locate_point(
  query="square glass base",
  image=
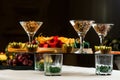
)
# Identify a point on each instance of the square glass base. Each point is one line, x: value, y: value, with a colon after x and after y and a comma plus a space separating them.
x: 103, y: 70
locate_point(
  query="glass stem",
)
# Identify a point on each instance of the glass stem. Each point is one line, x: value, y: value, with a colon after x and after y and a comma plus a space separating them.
x: 81, y: 44
x: 101, y: 39
x: 30, y: 37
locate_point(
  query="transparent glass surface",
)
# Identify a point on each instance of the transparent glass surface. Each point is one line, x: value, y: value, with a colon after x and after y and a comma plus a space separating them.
x: 53, y: 64
x: 104, y: 64
x: 31, y: 27
x: 38, y: 62
x: 102, y: 30
x: 81, y: 27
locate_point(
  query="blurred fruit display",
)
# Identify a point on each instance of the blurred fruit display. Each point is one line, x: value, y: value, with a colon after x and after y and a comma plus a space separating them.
x: 54, y: 41
x: 57, y: 42
x: 20, y: 60
x: 19, y: 55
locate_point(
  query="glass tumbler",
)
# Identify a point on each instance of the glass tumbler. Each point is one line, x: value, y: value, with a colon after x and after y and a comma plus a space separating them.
x: 104, y: 64
x: 38, y: 62
x: 53, y: 64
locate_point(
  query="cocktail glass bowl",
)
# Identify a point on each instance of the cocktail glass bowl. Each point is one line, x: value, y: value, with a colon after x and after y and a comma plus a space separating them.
x: 81, y: 27
x: 31, y: 27
x: 102, y: 30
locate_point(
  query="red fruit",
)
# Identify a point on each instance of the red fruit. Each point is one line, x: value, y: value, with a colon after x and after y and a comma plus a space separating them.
x: 55, y: 38
x: 25, y: 62
x: 21, y: 58
x: 45, y: 45
x: 14, y: 61
x: 51, y: 41
x: 52, y: 45
x: 34, y: 42
x: 30, y: 62
x: 10, y: 62
x: 40, y: 45
x: 59, y: 44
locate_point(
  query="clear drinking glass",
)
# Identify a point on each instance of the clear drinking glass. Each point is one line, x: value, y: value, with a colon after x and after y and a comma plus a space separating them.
x: 53, y: 64
x: 31, y: 27
x: 102, y: 29
x: 38, y: 62
x: 81, y: 27
x: 104, y: 64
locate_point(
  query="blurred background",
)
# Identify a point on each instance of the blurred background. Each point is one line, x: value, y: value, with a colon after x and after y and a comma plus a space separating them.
x: 55, y: 14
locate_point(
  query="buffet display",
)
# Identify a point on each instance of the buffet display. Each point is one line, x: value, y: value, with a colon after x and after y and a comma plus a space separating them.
x: 19, y: 55
x: 29, y: 55
x: 53, y: 44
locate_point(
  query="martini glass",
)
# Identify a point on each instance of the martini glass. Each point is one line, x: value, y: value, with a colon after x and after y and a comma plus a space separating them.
x: 81, y: 27
x: 102, y: 30
x: 31, y: 27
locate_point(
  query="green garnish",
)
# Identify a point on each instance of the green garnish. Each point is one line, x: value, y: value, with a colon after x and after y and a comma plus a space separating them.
x: 32, y: 47
x: 54, y: 69
x: 103, y: 68
x: 15, y: 44
x: 41, y: 66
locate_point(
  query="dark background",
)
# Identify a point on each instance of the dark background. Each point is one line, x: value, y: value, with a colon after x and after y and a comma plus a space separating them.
x: 56, y: 15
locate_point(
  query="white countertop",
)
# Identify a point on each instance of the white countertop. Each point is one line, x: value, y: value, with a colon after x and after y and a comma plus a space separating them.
x: 68, y: 73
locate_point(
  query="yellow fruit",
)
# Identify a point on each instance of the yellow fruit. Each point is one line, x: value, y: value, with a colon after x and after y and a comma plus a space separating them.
x: 48, y: 59
x: 42, y: 61
x: 11, y: 57
x: 3, y: 57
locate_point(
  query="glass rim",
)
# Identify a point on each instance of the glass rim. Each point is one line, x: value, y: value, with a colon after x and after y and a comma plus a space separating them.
x: 97, y: 54
x: 103, y: 24
x: 39, y: 22
x: 28, y: 21
x: 81, y: 20
x: 52, y: 54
